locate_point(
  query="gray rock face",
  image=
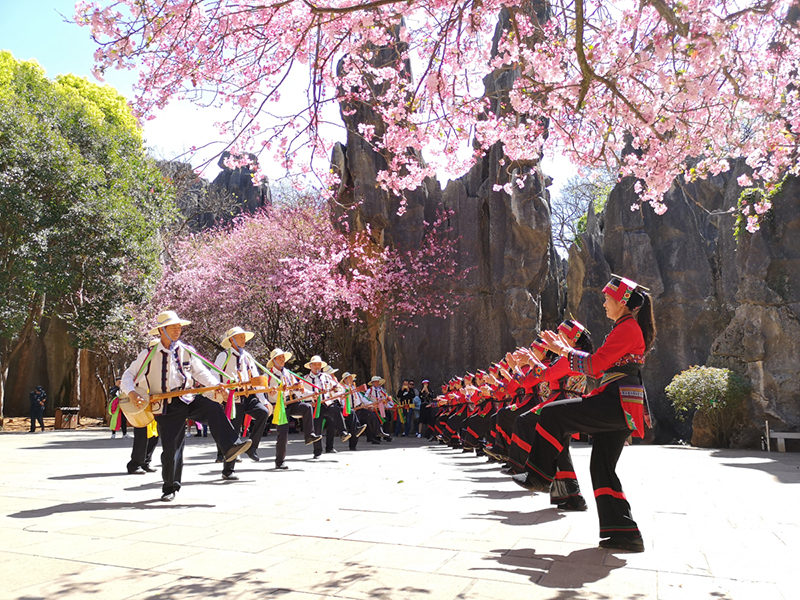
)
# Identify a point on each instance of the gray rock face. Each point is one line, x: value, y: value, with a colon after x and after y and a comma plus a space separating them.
x: 717, y: 302
x: 514, y: 276
x: 205, y: 204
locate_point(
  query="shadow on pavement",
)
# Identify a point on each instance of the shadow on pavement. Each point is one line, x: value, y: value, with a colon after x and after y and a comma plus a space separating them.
x: 88, y: 476
x: 71, y: 507
x: 500, y: 494
x: 516, y: 518
x: 585, y: 562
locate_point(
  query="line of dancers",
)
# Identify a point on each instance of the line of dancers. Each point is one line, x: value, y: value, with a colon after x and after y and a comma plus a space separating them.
x: 523, y: 410
x: 318, y: 399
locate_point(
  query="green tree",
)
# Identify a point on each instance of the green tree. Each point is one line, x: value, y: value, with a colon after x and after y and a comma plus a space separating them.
x: 570, y: 206
x: 81, y: 205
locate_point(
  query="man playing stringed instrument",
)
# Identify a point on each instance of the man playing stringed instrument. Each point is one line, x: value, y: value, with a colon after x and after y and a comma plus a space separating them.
x: 172, y: 365
x: 326, y: 409
x: 286, y: 381
x: 240, y: 366
x: 362, y: 412
x: 345, y: 405
x: 378, y: 399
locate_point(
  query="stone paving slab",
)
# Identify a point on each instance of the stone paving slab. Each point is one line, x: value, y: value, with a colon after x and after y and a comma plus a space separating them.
x: 410, y: 519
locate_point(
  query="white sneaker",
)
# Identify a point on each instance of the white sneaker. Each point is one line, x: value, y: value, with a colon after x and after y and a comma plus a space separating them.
x: 127, y: 435
x: 113, y: 434
x: 419, y: 435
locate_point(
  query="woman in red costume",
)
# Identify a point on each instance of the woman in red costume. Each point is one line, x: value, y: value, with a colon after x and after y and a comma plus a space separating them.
x: 610, y: 413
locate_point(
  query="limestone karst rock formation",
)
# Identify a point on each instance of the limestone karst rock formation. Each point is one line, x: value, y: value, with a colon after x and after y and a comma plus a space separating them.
x: 513, y: 283
x: 718, y: 302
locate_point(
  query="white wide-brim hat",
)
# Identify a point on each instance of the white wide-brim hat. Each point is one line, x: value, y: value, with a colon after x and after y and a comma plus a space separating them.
x: 347, y: 374
x: 275, y: 354
x: 330, y: 371
x: 316, y: 359
x: 226, y: 341
x: 166, y: 318
x: 378, y: 380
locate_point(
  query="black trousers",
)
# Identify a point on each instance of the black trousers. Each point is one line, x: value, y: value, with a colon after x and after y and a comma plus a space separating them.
x: 477, y: 427
x: 37, y: 414
x: 172, y: 431
x: 451, y: 432
x: 333, y: 422
x: 353, y: 424
x: 600, y: 415
x: 505, y: 422
x: 299, y: 410
x: 143, y: 448
x: 370, y: 417
x: 250, y: 405
x: 565, y: 481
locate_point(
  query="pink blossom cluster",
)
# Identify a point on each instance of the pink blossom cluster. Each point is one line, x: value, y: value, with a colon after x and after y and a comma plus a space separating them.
x: 638, y: 86
x: 291, y: 262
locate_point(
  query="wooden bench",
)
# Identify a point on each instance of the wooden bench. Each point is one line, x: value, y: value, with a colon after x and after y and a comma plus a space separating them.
x: 782, y: 436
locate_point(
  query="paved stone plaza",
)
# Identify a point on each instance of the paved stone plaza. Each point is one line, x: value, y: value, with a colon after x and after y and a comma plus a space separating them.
x: 408, y: 519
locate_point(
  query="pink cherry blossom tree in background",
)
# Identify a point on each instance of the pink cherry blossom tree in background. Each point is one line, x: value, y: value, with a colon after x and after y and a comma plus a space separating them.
x: 710, y: 79
x: 290, y: 275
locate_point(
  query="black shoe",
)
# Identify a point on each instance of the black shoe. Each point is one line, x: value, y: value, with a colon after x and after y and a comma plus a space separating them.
x: 198, y: 435
x: 316, y: 455
x: 361, y: 430
x: 220, y: 458
x: 531, y: 482
x: 230, y: 477
x: 253, y: 456
x: 376, y: 442
x: 243, y: 445
x: 281, y: 466
x: 331, y: 451
x: 137, y: 471
x: 205, y: 435
x: 168, y: 497
x: 313, y: 439
x: 629, y: 544
x: 149, y: 469
x: 576, y: 503
x: 388, y: 438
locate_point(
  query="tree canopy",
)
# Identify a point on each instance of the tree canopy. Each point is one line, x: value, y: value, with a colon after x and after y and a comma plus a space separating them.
x: 636, y: 87
x: 82, y: 206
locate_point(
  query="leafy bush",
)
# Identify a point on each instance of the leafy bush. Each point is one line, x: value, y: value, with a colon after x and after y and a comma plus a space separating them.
x: 716, y: 394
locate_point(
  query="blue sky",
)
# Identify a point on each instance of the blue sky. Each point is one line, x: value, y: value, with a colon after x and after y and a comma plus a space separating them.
x: 36, y: 30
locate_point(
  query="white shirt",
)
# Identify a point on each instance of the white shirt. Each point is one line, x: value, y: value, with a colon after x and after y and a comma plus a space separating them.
x: 359, y: 399
x: 376, y: 393
x: 167, y: 371
x: 276, y: 376
x: 239, y: 365
x: 320, y: 380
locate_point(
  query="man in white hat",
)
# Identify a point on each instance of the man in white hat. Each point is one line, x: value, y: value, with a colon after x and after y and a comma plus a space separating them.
x: 326, y: 410
x: 354, y: 424
x: 379, y: 400
x: 172, y: 365
x: 279, y: 374
x: 240, y: 366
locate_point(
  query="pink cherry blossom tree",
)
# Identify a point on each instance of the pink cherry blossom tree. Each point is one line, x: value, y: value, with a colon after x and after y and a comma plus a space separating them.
x: 710, y: 79
x: 296, y: 279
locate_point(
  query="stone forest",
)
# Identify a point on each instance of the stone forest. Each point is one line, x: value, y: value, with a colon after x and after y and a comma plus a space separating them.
x: 721, y: 300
